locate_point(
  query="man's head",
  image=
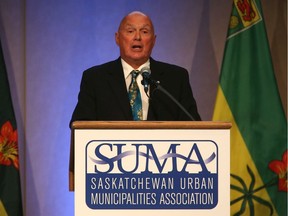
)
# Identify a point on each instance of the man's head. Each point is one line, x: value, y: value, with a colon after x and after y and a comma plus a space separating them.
x: 135, y: 38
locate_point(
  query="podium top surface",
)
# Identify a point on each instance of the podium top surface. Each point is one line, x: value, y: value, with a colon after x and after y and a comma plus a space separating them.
x: 150, y: 125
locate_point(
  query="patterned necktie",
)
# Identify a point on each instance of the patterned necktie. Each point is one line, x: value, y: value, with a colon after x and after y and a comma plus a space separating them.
x: 135, y: 97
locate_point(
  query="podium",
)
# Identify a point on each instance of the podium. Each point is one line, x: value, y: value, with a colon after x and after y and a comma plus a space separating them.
x: 145, y: 167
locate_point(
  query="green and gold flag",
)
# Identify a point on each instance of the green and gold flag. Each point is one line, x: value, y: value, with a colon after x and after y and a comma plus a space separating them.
x: 248, y: 97
x: 10, y: 190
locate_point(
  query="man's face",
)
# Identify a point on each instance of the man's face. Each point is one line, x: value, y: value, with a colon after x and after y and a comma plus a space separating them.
x: 135, y: 39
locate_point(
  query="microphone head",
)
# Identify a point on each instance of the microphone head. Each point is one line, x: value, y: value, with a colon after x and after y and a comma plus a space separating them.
x: 145, y: 71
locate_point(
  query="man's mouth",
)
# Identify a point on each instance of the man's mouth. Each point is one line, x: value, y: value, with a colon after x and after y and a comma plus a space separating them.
x: 136, y: 47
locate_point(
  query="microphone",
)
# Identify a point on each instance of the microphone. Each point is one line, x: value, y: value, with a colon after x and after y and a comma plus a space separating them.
x: 146, y: 72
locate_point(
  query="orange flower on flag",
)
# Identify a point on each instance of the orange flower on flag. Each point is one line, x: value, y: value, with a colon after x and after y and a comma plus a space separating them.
x: 280, y: 167
x: 8, y: 146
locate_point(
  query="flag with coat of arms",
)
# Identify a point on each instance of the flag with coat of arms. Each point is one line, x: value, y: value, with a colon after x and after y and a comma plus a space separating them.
x: 248, y: 97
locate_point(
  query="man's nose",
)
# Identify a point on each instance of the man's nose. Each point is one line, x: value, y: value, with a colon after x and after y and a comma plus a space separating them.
x: 137, y: 35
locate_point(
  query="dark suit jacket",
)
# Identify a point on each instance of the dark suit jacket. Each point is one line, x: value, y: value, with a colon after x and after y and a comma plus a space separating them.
x: 103, y: 95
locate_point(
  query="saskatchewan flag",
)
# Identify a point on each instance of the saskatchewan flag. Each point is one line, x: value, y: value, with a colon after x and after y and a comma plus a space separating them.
x: 248, y: 97
x: 10, y: 190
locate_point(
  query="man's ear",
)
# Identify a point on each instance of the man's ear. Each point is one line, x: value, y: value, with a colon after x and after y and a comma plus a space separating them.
x: 117, y: 38
x: 155, y: 36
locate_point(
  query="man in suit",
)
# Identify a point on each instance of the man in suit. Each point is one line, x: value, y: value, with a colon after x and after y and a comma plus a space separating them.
x: 104, y: 88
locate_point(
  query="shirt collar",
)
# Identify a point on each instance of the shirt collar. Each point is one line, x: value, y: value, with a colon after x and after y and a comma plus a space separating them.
x: 127, y: 68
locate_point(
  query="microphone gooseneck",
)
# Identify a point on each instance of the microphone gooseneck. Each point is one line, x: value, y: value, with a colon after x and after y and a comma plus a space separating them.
x: 160, y: 88
x: 146, y: 81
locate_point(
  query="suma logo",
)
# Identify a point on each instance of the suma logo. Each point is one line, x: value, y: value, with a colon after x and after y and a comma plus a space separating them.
x: 128, y: 157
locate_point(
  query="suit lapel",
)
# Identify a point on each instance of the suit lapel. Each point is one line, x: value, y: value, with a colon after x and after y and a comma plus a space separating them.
x: 118, y: 86
x: 156, y: 74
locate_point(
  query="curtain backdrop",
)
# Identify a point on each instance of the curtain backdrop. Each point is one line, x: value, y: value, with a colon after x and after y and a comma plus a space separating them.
x: 48, y: 44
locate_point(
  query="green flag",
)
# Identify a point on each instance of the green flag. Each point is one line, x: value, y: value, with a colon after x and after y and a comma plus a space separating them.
x: 248, y: 97
x: 10, y: 190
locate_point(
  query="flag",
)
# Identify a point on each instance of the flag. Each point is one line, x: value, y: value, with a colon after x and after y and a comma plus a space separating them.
x: 10, y: 189
x: 248, y: 97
